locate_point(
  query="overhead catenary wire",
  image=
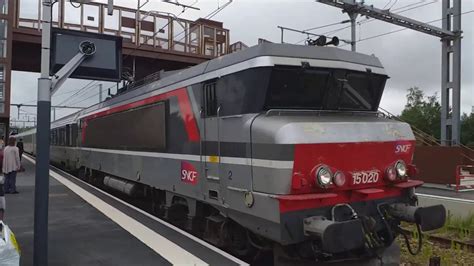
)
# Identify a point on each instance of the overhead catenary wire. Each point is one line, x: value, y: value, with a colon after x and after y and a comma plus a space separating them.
x: 325, y: 26
x: 394, y: 3
x: 388, y: 3
x: 85, y: 99
x: 55, y: 95
x: 158, y: 31
x: 402, y: 29
x: 75, y: 91
x: 78, y: 92
x: 208, y: 16
x: 66, y: 92
x: 91, y: 96
x: 87, y: 86
x: 80, y: 95
x: 399, y: 10
x: 367, y: 20
x: 218, y: 10
x: 320, y: 27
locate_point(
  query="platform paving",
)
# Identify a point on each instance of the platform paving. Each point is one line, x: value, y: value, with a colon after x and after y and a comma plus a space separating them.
x: 458, y: 204
x: 80, y: 234
x: 442, y: 190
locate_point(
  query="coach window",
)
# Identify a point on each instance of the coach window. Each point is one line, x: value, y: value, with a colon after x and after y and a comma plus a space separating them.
x: 210, y: 99
x: 74, y: 133
x: 61, y: 136
x: 68, y: 135
x: 58, y: 136
x: 53, y: 136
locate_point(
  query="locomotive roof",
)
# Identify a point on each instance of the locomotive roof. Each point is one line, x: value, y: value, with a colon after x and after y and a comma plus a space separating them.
x: 294, y: 51
x: 276, y: 50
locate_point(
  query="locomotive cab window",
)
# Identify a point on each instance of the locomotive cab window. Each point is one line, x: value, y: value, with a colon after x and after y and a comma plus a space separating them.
x: 210, y: 99
x: 324, y: 89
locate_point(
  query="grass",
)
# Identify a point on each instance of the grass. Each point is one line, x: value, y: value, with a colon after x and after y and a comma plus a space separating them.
x: 454, y: 255
x: 455, y: 228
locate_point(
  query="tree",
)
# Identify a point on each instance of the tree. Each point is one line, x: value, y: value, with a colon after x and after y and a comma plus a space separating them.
x: 467, y: 129
x: 414, y: 97
x: 423, y: 112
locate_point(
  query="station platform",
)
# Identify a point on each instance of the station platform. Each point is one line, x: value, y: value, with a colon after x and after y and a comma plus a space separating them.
x: 444, y: 191
x: 458, y: 204
x: 90, y: 227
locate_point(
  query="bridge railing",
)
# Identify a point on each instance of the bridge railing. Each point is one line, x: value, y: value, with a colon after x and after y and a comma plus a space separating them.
x: 145, y: 29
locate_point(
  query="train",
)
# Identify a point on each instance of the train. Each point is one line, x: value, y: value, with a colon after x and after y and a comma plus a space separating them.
x: 274, y: 148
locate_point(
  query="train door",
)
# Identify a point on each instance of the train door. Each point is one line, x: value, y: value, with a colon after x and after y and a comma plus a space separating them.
x: 210, y: 152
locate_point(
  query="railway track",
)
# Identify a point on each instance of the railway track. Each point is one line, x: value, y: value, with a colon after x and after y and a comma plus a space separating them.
x: 458, y: 207
x: 444, y: 241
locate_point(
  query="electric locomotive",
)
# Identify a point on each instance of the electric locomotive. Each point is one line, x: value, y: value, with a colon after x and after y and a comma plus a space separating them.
x: 274, y: 147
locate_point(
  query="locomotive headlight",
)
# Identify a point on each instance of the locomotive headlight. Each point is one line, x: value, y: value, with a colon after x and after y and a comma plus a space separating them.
x: 339, y: 179
x: 401, y: 168
x: 391, y: 174
x: 323, y: 176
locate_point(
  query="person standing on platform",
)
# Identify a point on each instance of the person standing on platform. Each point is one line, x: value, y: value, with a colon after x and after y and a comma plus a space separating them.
x: 11, y: 164
x: 2, y: 191
x: 2, y: 198
x: 20, y: 148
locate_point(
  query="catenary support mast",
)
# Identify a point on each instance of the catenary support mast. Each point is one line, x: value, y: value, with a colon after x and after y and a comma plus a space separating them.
x: 451, y: 75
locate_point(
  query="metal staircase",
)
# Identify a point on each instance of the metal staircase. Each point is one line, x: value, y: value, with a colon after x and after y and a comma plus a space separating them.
x: 463, y: 170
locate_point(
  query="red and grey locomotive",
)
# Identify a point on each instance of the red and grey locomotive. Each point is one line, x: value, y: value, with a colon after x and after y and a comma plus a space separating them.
x: 274, y: 147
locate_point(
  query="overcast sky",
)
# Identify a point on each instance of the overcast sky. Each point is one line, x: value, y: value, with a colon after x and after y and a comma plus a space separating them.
x: 410, y: 58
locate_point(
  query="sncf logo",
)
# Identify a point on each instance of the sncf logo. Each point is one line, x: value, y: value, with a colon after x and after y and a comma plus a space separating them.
x: 188, y: 173
x: 402, y: 148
